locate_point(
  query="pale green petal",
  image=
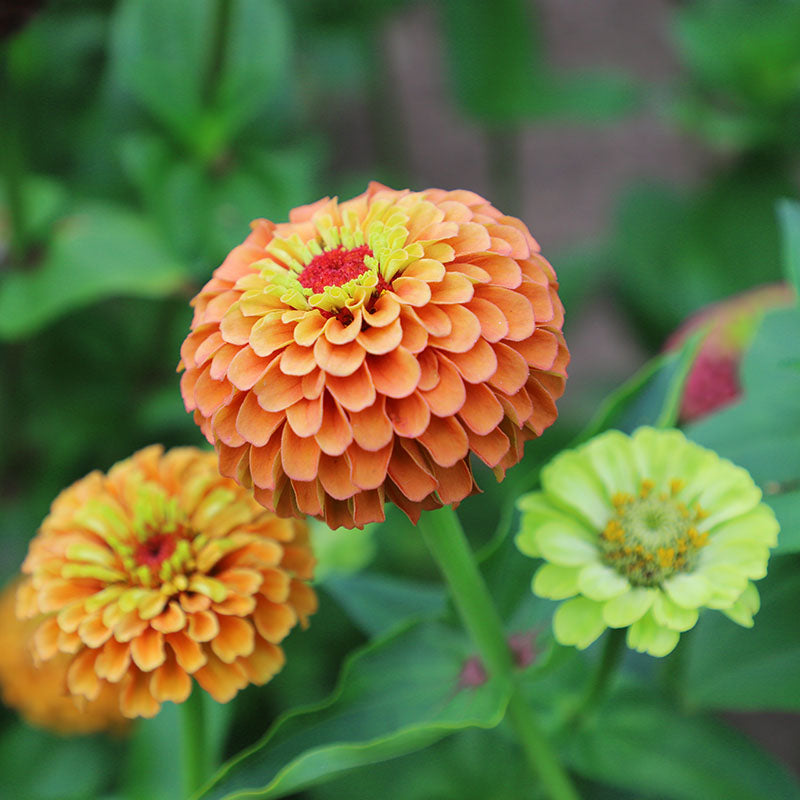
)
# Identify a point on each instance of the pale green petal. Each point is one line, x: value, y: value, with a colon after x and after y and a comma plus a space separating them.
x: 599, y: 582
x: 565, y: 543
x: 538, y: 509
x: 750, y: 558
x: 690, y: 590
x: 745, y: 607
x: 647, y: 636
x: 671, y: 615
x: 556, y: 583
x: 611, y: 454
x: 627, y: 608
x: 578, y: 622
x: 727, y: 584
x: 758, y: 525
x: 656, y: 452
x: 730, y: 494
x: 570, y: 478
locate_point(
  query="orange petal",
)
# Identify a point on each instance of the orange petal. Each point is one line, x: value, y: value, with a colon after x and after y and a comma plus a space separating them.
x: 481, y: 411
x: 385, y: 310
x: 136, y: 699
x: 355, y: 392
x: 372, y: 428
x: 512, y: 370
x: 454, y: 288
x: 516, y: 308
x: 429, y: 369
x: 224, y: 423
x: 246, y: 369
x: 477, y: 364
x: 206, y: 348
x: 82, y: 679
x: 297, y: 360
x: 277, y: 391
x: 489, y: 448
x: 170, y: 683
x: 445, y: 440
x: 235, y: 638
x: 235, y: 327
x: 299, y: 456
x: 381, y: 340
x: 334, y: 475
x: 309, y: 496
x: 264, y: 462
x: 275, y: 585
x: 369, y: 467
x: 232, y: 460
x: 539, y: 298
x: 415, y: 335
x: 270, y: 334
x: 426, y: 269
x: 303, y: 599
x: 209, y: 394
x: 171, y: 620
x: 336, y: 333
x: 394, y: 374
x: 93, y: 632
x: 263, y: 663
x: 544, y: 407
x: 113, y: 661
x: 409, y: 472
x: 305, y: 416
x: 518, y: 407
x: 471, y: 271
x: 434, y: 319
x: 465, y: 332
x: 409, y: 415
x: 472, y: 238
x: 519, y: 247
x: 411, y: 291
x: 338, y: 359
x: 147, y: 650
x: 335, y: 433
x: 128, y: 627
x: 203, y: 626
x: 447, y: 397
x: 189, y: 653
x: 309, y: 329
x: 455, y: 483
x: 254, y: 424
x: 222, y: 681
x: 539, y: 350
x: 312, y: 384
x: 273, y: 620
x: 221, y: 361
x: 494, y: 325
x: 368, y: 507
x: 45, y: 640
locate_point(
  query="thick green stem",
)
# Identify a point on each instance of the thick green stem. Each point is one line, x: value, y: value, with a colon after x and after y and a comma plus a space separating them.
x: 194, y: 747
x: 613, y: 648
x: 445, y: 538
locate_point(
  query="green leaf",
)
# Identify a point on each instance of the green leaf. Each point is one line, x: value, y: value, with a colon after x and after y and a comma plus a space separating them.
x: 376, y: 603
x: 97, y: 252
x: 730, y: 667
x: 396, y: 695
x: 651, y: 397
x: 643, y: 743
x: 789, y: 218
x: 770, y: 415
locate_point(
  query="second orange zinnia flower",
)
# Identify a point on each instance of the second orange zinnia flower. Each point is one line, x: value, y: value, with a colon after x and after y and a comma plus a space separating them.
x: 360, y: 352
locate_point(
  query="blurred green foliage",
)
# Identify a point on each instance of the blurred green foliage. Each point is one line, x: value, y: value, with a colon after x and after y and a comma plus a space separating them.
x: 138, y: 140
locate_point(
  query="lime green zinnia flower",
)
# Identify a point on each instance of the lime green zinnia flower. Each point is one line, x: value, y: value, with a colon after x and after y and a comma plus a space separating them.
x: 640, y: 532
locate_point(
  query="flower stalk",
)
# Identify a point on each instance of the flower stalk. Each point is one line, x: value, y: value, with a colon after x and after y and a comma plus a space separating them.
x: 445, y: 539
x: 194, y: 742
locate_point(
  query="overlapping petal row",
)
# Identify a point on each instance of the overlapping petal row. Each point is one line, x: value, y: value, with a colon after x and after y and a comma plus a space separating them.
x: 162, y: 571
x: 39, y: 691
x: 360, y: 352
x: 643, y: 531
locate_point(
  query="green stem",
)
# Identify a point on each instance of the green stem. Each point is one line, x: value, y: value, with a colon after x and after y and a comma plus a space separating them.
x: 613, y: 648
x: 445, y: 538
x: 12, y: 161
x: 195, y: 741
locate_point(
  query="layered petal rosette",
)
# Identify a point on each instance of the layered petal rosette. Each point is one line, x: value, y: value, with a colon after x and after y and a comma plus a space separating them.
x: 162, y: 571
x: 38, y: 690
x: 360, y: 352
x: 641, y: 532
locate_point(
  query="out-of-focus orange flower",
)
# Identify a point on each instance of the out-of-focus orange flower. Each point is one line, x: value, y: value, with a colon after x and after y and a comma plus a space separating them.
x: 713, y: 381
x: 160, y: 571
x: 38, y: 691
x: 360, y: 352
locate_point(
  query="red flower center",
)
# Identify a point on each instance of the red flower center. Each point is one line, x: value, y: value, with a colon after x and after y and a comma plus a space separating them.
x: 154, y: 550
x: 334, y: 267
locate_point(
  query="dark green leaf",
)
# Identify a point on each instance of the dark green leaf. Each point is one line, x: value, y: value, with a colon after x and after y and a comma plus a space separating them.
x: 97, y: 252
x: 395, y: 696
x: 737, y: 668
x: 644, y: 744
x: 789, y: 217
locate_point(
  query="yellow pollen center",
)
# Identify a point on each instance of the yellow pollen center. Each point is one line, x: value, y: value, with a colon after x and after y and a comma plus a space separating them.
x: 652, y: 536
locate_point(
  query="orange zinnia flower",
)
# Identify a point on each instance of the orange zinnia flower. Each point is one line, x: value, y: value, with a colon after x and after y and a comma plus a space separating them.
x: 39, y: 691
x: 361, y: 351
x: 160, y: 571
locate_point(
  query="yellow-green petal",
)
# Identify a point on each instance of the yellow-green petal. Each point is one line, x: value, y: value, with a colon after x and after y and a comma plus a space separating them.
x: 670, y: 615
x: 565, y: 543
x: 554, y: 582
x: 599, y: 582
x: 619, y: 612
x: 690, y: 590
x: 578, y: 622
x: 743, y: 610
x: 647, y: 636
